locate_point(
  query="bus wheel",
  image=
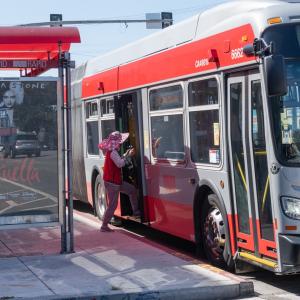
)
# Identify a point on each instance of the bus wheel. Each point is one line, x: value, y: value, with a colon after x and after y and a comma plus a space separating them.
x: 100, y: 197
x: 214, y: 233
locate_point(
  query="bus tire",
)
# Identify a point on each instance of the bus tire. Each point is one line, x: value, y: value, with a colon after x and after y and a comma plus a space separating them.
x: 215, y: 233
x: 99, y: 197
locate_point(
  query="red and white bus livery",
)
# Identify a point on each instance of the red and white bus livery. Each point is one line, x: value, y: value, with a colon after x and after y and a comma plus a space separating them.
x: 212, y: 105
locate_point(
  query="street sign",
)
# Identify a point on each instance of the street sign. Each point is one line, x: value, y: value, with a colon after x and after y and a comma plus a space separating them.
x: 167, y: 19
x: 159, y: 20
x: 150, y: 21
x: 30, y: 64
x: 55, y: 18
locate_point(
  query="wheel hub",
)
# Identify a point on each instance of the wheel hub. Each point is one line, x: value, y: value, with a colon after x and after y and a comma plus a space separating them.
x: 101, y: 199
x: 214, y: 233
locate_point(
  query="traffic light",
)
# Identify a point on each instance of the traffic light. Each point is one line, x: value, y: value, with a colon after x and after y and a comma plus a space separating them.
x: 55, y: 18
x: 167, y: 19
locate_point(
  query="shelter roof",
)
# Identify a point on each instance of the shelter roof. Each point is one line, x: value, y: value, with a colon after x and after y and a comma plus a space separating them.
x: 22, y: 47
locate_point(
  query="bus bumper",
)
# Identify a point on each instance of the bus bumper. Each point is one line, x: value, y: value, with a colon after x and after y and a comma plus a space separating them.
x: 290, y: 253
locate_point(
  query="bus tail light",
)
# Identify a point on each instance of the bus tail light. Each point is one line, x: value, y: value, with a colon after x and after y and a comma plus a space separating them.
x: 291, y: 207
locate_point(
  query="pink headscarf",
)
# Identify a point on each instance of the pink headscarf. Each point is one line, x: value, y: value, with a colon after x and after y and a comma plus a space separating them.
x: 113, y: 141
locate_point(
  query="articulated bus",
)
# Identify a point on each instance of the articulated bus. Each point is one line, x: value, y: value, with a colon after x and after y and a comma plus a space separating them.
x: 212, y: 105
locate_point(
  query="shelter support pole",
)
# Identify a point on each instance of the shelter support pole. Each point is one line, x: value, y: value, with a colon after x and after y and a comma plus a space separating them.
x: 67, y: 226
x: 63, y: 187
x: 69, y: 152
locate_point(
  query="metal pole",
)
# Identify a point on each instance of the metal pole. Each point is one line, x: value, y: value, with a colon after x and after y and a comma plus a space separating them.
x: 69, y: 153
x: 64, y: 221
x: 77, y: 22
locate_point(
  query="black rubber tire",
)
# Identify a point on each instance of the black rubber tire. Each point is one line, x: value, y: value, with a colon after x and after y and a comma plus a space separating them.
x: 100, y: 203
x: 214, y: 225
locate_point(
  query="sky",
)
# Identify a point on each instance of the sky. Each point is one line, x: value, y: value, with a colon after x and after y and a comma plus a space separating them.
x: 99, y: 38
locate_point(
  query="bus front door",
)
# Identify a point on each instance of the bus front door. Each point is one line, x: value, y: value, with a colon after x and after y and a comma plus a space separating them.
x: 249, y: 171
x: 127, y: 111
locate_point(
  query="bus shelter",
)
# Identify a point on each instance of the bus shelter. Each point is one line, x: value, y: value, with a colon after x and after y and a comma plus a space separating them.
x: 35, y: 130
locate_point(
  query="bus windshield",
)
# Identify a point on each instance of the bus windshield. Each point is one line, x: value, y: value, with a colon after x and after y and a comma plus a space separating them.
x: 285, y: 110
x: 286, y: 117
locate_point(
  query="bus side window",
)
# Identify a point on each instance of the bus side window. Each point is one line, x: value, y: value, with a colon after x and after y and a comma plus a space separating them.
x: 166, y: 118
x: 167, y: 137
x: 107, y: 117
x: 204, y: 121
x: 92, y: 133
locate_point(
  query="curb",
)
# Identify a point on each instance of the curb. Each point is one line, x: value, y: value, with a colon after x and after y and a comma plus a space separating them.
x: 242, y: 289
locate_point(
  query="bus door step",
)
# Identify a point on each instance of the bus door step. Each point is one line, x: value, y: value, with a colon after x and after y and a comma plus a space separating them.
x: 133, y: 218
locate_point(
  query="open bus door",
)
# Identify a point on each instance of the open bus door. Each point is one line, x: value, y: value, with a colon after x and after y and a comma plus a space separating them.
x: 254, y: 225
x: 127, y: 112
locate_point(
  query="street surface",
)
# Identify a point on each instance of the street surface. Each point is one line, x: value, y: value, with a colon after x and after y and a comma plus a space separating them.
x: 267, y: 285
x: 36, y: 172
x: 28, y: 188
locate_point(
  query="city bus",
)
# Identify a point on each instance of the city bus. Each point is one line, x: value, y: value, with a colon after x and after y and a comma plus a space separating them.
x: 212, y: 105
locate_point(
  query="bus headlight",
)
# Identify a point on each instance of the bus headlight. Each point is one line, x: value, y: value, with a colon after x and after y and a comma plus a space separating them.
x: 291, y: 207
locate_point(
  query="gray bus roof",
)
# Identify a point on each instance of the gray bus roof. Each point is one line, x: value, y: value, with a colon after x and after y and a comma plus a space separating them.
x: 215, y: 20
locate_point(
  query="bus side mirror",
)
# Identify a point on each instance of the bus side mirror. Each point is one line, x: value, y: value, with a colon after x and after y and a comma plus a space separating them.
x: 276, y: 75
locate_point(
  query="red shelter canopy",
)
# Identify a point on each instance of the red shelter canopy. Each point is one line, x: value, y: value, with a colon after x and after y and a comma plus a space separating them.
x: 34, y: 49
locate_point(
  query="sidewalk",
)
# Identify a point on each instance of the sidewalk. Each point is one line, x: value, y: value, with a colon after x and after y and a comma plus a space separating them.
x: 114, y: 266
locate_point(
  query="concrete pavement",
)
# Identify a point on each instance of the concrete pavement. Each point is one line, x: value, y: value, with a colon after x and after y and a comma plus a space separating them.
x: 116, y: 265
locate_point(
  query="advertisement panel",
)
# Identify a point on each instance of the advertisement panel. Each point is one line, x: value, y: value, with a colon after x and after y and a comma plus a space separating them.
x: 29, y: 151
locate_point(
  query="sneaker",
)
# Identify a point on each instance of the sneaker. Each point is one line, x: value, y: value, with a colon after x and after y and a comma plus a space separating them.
x: 106, y: 229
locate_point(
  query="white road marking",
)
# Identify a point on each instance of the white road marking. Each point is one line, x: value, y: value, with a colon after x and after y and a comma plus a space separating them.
x: 11, y: 205
x: 36, y: 200
x: 4, y: 195
x: 29, y: 188
x: 11, y: 192
x: 26, y: 188
x: 11, y: 202
x: 48, y: 206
